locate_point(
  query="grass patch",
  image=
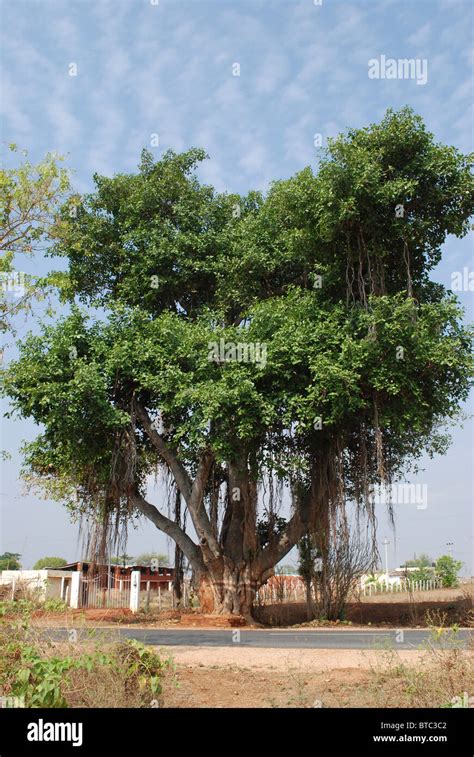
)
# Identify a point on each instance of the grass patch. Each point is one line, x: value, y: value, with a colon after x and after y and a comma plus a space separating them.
x: 442, y: 678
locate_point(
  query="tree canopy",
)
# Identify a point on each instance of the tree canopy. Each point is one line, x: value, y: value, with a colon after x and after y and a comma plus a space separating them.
x: 29, y: 198
x: 246, y: 344
x: 49, y: 562
x: 10, y: 561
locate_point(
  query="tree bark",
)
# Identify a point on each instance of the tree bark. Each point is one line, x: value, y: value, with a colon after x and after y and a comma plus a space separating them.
x: 178, y: 556
x: 228, y: 590
x: 229, y: 568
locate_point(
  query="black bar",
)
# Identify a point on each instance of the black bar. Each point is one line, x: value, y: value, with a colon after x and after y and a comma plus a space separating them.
x: 128, y: 731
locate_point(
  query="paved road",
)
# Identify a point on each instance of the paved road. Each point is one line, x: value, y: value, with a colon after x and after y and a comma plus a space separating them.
x: 314, y: 639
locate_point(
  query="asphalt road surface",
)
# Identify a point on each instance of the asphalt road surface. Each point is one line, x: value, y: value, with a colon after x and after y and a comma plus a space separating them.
x: 314, y: 639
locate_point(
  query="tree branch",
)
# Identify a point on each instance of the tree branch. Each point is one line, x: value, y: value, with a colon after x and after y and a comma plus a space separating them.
x: 296, y: 528
x: 192, y: 491
x: 273, y: 553
x: 186, y: 544
x: 181, y: 476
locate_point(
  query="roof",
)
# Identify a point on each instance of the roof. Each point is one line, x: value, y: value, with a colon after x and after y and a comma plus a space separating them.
x: 73, y: 565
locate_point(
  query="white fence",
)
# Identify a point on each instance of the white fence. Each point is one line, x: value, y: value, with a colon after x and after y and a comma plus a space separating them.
x: 292, y: 588
x: 159, y: 597
x: 281, y: 588
x: 405, y: 584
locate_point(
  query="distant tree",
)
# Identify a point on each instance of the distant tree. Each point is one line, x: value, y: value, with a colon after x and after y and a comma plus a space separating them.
x: 423, y: 561
x: 447, y: 569
x: 288, y: 570
x: 424, y: 573
x: 147, y: 557
x: 121, y: 559
x: 10, y: 561
x: 49, y: 562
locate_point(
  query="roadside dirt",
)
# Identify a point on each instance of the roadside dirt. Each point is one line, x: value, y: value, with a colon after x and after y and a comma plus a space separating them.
x: 221, y: 677
x: 235, y: 687
x: 231, y: 677
x: 278, y: 659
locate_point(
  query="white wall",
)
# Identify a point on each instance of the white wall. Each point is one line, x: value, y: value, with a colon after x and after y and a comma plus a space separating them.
x: 46, y: 582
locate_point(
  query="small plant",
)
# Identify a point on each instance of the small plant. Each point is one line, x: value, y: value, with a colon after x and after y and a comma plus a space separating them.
x: 143, y: 666
x: 442, y: 672
x: 54, y: 675
x: 15, y: 607
x: 460, y: 700
x: 40, y: 681
x: 55, y: 605
x: 436, y: 618
x: 447, y: 569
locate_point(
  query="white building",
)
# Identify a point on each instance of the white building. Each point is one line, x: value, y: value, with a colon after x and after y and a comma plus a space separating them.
x: 48, y: 584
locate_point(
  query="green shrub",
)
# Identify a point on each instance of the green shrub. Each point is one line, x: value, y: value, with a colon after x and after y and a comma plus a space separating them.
x: 55, y: 605
x: 447, y: 569
x: 16, y: 607
x: 121, y: 674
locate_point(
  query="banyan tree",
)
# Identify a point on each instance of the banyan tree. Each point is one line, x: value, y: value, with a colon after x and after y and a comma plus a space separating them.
x: 356, y: 358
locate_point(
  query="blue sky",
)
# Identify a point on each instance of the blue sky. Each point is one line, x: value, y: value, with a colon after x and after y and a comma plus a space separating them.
x: 167, y: 69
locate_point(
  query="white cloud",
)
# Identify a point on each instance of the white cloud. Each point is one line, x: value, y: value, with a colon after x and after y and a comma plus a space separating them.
x: 20, y: 127
x: 421, y: 36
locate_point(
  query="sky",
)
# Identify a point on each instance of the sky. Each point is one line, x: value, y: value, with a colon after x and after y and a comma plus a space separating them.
x: 258, y: 85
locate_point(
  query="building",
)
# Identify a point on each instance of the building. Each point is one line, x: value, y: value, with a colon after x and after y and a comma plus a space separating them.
x: 46, y: 584
x: 85, y: 584
x: 111, y: 575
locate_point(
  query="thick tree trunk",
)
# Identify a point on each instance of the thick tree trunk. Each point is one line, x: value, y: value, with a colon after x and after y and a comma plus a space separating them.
x: 226, y: 590
x: 229, y: 567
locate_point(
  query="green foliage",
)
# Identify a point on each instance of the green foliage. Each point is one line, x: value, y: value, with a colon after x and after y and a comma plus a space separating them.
x: 321, y: 272
x: 49, y: 562
x: 270, y: 528
x: 19, y: 607
x: 10, y: 561
x: 142, y: 665
x: 54, y: 604
x: 122, y: 560
x: 447, y: 569
x: 29, y: 198
x: 24, y: 607
x: 29, y: 671
x: 424, y: 571
x: 421, y: 574
x: 307, y: 553
x: 39, y: 680
x: 146, y: 557
x: 423, y: 561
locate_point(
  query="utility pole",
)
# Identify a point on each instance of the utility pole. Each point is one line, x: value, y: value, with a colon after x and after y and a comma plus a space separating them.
x: 385, y: 544
x: 450, y: 545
